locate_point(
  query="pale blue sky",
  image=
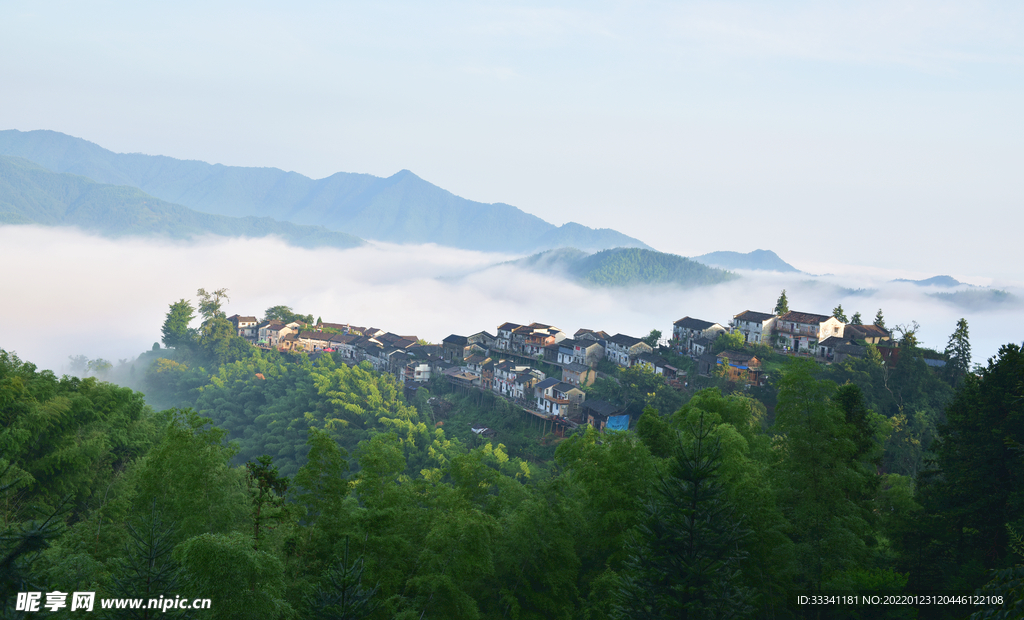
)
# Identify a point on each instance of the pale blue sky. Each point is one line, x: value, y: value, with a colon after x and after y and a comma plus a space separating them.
x: 878, y: 133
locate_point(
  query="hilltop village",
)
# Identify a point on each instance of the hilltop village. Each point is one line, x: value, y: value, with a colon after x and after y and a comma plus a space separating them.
x: 542, y: 368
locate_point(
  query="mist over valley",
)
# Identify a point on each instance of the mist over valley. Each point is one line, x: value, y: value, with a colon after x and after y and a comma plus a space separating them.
x: 107, y: 298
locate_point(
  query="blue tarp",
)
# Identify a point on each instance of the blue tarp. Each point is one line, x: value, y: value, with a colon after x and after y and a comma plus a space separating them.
x: 618, y: 423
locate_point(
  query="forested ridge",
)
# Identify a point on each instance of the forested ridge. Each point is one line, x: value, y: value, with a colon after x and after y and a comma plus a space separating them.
x: 280, y: 486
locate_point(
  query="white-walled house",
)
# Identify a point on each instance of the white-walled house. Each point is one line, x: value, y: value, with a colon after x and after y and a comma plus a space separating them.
x: 622, y: 349
x: 688, y: 329
x: 802, y: 331
x: 756, y: 327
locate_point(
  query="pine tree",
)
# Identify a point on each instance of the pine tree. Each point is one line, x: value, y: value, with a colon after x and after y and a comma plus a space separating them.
x: 341, y: 595
x: 879, y: 319
x: 782, y: 305
x: 856, y: 319
x: 959, y: 352
x: 147, y: 571
x: 685, y: 555
x: 839, y: 314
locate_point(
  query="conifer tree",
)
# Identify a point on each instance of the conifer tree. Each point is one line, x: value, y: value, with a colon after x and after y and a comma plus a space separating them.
x: 782, y: 305
x: 856, y: 319
x: 341, y: 595
x: 147, y: 571
x: 685, y: 554
x: 839, y: 314
x: 879, y: 319
x: 959, y: 352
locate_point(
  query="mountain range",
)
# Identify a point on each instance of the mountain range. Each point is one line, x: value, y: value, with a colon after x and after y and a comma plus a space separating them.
x: 402, y: 208
x: 31, y: 194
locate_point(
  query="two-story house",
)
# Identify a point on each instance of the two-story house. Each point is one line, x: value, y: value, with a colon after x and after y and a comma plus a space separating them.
x: 756, y: 327
x: 558, y: 398
x: 504, y: 338
x: 622, y: 349
x: 802, y: 331
x: 688, y: 329
x: 246, y: 326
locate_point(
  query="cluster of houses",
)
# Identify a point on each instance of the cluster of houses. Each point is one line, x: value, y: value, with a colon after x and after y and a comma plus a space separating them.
x: 503, y: 362
x: 822, y: 337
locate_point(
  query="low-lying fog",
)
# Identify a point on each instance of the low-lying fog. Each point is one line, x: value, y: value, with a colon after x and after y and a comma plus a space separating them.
x: 68, y: 293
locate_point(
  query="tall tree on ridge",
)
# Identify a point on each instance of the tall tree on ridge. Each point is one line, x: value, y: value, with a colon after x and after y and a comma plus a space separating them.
x: 959, y: 352
x: 782, y: 305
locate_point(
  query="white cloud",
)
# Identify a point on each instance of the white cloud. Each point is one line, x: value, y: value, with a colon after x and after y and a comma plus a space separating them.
x: 68, y: 293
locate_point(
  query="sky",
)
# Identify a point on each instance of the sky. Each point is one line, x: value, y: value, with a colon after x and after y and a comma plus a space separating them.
x: 876, y: 133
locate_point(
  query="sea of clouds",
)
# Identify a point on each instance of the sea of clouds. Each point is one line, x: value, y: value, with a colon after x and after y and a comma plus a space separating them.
x: 69, y: 293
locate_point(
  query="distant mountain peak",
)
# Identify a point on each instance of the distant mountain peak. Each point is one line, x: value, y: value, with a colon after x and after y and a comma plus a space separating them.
x: 758, y: 260
x: 943, y: 281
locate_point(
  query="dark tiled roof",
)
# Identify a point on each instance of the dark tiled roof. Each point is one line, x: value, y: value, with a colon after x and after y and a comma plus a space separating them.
x: 508, y: 326
x: 624, y: 340
x: 577, y: 368
x: 657, y: 360
x: 834, y: 341
x: 868, y: 331
x: 546, y: 383
x: 564, y: 387
x: 456, y: 340
x: 600, y: 407
x: 807, y: 318
x: 691, y: 323
x: 736, y: 356
x: 754, y: 317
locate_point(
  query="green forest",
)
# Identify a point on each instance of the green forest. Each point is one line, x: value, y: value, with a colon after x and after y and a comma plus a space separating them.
x: 281, y: 486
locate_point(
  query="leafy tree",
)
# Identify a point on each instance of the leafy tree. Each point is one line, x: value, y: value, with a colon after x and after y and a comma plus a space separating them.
x: 652, y: 338
x: 654, y: 431
x: 188, y: 477
x: 856, y: 319
x: 729, y: 341
x: 839, y: 313
x: 286, y: 314
x: 685, y: 554
x: 879, y: 319
x: 176, y: 332
x: 822, y: 482
x: 267, y: 489
x: 220, y: 343
x: 242, y: 582
x: 782, y: 305
x: 959, y: 351
x: 637, y: 387
x: 210, y: 303
x: 612, y: 473
x: 907, y: 334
